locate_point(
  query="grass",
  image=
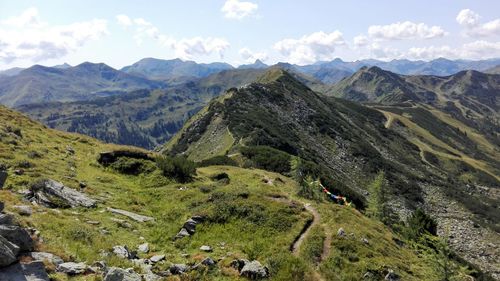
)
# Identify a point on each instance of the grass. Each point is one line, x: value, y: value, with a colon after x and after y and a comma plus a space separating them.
x: 242, y: 220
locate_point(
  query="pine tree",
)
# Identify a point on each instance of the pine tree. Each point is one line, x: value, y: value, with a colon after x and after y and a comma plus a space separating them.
x: 377, y: 201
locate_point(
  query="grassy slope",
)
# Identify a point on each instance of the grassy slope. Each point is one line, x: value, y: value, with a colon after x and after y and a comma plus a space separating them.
x: 266, y: 230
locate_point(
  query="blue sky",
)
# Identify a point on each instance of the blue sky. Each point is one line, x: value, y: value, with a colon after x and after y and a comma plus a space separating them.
x: 121, y: 32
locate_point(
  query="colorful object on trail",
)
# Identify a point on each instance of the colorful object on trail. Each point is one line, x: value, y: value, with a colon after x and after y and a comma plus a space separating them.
x: 338, y: 198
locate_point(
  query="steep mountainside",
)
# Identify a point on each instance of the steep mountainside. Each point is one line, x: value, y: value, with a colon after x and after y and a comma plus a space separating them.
x: 253, y: 214
x: 145, y: 118
x: 350, y: 143
x: 82, y: 82
x: 171, y: 70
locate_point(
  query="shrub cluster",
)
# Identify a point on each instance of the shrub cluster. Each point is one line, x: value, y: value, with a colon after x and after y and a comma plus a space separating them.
x: 267, y: 158
x: 177, y: 167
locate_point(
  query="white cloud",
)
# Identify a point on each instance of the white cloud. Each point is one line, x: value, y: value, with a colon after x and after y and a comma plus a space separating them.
x: 467, y: 17
x: 235, y: 9
x: 310, y: 48
x: 185, y: 48
x: 124, y: 20
x: 470, y: 20
x: 28, y: 39
x: 28, y: 18
x: 474, y: 50
x: 405, y: 30
x: 360, y: 41
x: 250, y: 57
x: 383, y: 53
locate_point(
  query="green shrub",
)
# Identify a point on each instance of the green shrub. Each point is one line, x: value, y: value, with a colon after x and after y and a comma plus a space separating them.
x: 313, y: 246
x: 310, y: 189
x: 286, y: 267
x: 132, y: 166
x: 178, y: 168
x: 221, y: 160
x: 267, y: 158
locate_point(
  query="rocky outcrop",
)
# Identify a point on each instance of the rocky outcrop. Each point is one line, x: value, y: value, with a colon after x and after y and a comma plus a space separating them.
x: 18, y: 236
x: 134, y: 216
x: 189, y: 227
x: 34, y: 271
x: 254, y: 270
x: 8, y: 252
x: 72, y: 268
x: 120, y: 274
x: 42, y: 256
x: 53, y: 194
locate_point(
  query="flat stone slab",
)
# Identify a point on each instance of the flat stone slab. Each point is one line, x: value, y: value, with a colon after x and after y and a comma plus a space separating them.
x: 34, y: 271
x: 53, y: 194
x: 134, y: 216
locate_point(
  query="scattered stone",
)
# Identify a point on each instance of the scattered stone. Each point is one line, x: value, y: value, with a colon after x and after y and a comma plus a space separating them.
x: 122, y: 223
x: 82, y: 184
x: 392, y: 276
x: 120, y: 274
x: 182, y: 233
x: 3, y: 178
x: 8, y: 252
x: 72, y: 268
x: 206, y: 248
x: 34, y: 271
x: 70, y: 150
x: 365, y: 241
x: 17, y: 236
x: 123, y: 252
x: 150, y: 276
x: 189, y: 227
x: 6, y: 219
x: 143, y: 248
x: 93, y: 222
x: 136, y: 217
x: 42, y: 256
x: 19, y: 172
x: 99, y: 267
x: 208, y: 262
x: 254, y: 270
x: 23, y: 210
x: 54, y: 194
x: 368, y: 276
x: 239, y: 264
x: 341, y: 232
x: 178, y: 269
x: 157, y: 258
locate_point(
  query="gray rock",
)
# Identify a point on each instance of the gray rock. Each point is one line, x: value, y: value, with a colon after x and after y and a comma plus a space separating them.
x: 239, y: 264
x: 17, y: 236
x: 34, y: 271
x: 72, y: 268
x: 206, y: 248
x: 150, y: 276
x: 8, y: 252
x: 2, y: 205
x: 157, y: 258
x: 120, y: 274
x: 178, y: 268
x: 122, y: 252
x: 189, y: 227
x: 341, y: 232
x: 143, y: 248
x: 122, y: 223
x: 365, y: 241
x: 6, y: 219
x: 392, y: 276
x: 93, y: 222
x: 136, y: 217
x: 54, y: 194
x: 3, y: 178
x: 23, y: 210
x: 42, y: 256
x: 208, y: 262
x: 182, y: 233
x: 254, y: 270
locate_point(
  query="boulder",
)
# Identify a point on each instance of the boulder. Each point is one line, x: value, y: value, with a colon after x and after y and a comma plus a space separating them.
x: 189, y: 227
x: 157, y: 258
x: 3, y: 178
x: 8, y: 252
x: 34, y: 271
x: 208, y: 262
x: 72, y: 268
x: 341, y: 232
x: 178, y: 269
x: 143, y: 248
x: 182, y: 233
x: 392, y: 276
x: 120, y: 274
x: 17, y: 236
x: 42, y: 256
x: 122, y: 252
x: 254, y: 270
x: 239, y: 264
x: 6, y: 219
x: 53, y: 194
x: 23, y: 210
x: 206, y: 248
x: 136, y: 217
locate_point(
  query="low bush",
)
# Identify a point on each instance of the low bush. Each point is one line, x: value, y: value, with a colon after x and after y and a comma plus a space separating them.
x: 177, y: 167
x: 267, y: 158
x: 132, y: 166
x: 419, y: 224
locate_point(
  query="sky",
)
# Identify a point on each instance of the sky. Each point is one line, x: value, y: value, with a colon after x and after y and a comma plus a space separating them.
x: 121, y: 32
